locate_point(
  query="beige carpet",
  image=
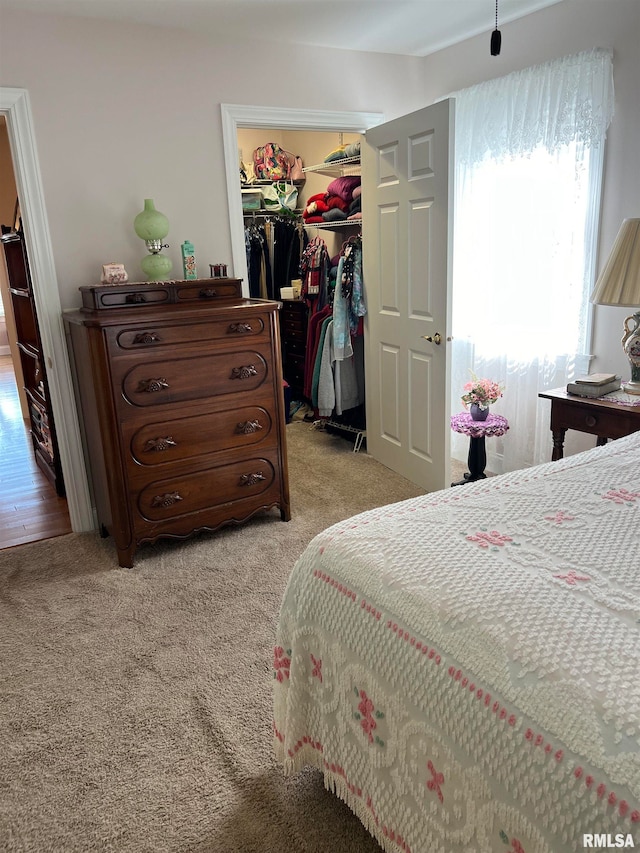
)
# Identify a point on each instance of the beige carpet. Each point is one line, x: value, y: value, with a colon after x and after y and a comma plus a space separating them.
x: 135, y: 705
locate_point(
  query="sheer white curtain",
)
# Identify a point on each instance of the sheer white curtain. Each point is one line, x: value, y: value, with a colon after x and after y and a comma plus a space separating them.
x: 529, y: 153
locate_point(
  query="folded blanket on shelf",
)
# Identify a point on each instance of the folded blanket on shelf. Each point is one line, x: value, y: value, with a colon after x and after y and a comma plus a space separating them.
x: 344, y: 186
x: 334, y: 215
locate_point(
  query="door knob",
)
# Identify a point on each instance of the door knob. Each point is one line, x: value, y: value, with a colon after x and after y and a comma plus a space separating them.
x: 435, y: 339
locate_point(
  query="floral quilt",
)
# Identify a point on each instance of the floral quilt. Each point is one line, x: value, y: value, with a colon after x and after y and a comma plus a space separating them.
x: 464, y: 667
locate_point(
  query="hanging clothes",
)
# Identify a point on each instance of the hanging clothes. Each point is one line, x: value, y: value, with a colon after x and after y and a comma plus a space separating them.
x: 314, y: 272
x: 273, y: 247
x: 334, y: 369
x: 339, y: 388
x: 313, y: 342
x: 288, y: 243
x: 256, y: 241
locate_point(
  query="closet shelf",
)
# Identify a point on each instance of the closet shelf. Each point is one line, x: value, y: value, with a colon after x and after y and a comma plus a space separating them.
x: 345, y: 166
x: 254, y: 214
x: 264, y: 183
x: 335, y: 226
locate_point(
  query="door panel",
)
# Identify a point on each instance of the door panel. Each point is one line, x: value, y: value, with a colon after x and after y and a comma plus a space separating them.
x: 389, y: 403
x: 407, y: 227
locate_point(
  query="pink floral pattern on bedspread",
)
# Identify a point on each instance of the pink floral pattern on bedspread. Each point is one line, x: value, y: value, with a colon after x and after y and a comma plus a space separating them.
x: 476, y: 691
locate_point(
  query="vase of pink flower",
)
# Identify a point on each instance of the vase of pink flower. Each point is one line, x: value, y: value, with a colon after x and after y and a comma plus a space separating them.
x: 478, y: 395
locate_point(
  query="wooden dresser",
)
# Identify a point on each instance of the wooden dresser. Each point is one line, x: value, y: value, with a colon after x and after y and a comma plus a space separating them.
x: 294, y: 321
x: 180, y: 390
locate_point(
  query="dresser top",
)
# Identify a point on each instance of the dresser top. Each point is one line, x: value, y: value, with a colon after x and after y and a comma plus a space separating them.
x: 187, y: 312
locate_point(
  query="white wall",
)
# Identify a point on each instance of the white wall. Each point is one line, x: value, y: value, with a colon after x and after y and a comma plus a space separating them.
x: 125, y: 112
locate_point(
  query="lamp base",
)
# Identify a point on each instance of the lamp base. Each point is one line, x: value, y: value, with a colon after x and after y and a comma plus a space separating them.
x: 631, y: 347
x: 156, y: 267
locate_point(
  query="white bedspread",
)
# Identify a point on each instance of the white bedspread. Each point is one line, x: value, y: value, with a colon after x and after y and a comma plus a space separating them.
x: 464, y: 667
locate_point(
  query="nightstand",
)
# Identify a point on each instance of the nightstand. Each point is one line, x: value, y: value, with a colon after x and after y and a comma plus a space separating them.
x: 603, y: 418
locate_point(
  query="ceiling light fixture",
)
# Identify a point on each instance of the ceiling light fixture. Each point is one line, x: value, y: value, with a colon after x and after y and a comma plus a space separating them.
x: 496, y: 37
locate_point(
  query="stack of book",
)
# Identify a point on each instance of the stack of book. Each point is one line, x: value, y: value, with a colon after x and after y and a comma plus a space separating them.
x: 594, y: 385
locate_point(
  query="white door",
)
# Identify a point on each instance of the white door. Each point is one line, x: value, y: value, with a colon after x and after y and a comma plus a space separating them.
x: 407, y: 205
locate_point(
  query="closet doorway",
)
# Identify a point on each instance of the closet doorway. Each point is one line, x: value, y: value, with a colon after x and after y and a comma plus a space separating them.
x: 409, y: 243
x: 276, y: 244
x: 312, y: 146
x: 269, y: 119
x: 311, y: 136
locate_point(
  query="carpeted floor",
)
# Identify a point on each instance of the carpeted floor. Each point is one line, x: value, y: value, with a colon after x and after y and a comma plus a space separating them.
x: 135, y: 704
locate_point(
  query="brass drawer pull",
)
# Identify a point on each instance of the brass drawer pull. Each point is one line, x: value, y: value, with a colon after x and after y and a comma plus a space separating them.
x: 151, y: 385
x: 160, y: 444
x: 169, y: 499
x: 146, y: 338
x: 208, y: 293
x: 240, y: 328
x: 135, y: 298
x: 248, y: 427
x: 251, y: 479
x: 245, y: 372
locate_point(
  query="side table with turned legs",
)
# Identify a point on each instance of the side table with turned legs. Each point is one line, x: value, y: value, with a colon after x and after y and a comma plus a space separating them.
x: 606, y: 418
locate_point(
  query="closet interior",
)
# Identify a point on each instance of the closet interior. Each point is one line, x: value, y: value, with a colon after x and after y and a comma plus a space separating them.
x: 303, y: 242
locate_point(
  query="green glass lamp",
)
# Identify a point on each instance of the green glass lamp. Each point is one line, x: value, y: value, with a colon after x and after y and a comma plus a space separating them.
x: 152, y: 227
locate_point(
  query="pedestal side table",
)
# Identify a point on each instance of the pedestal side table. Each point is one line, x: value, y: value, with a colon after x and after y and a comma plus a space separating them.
x: 477, y: 431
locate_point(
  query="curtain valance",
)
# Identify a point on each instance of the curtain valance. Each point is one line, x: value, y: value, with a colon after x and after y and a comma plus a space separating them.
x: 562, y: 101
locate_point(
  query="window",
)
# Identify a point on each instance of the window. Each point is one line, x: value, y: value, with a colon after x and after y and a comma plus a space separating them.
x: 529, y: 152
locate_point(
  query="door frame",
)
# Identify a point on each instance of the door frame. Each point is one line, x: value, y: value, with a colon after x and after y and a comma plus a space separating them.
x: 285, y: 118
x: 16, y: 107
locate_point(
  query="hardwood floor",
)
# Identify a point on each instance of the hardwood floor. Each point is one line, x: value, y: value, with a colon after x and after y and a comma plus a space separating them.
x: 30, y: 509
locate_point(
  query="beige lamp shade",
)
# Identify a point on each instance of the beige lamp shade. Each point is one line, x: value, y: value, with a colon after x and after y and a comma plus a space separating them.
x: 619, y: 281
x: 619, y: 284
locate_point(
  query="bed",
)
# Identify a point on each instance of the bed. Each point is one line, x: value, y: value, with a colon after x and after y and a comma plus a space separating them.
x: 464, y: 667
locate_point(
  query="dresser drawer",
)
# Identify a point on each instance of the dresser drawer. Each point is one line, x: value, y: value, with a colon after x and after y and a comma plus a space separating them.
x: 584, y: 419
x: 125, y: 296
x: 294, y: 368
x: 294, y: 374
x: 158, y: 335
x: 601, y: 420
x: 292, y: 322
x: 244, y: 479
x: 144, y: 294
x: 294, y: 308
x: 207, y: 291
x: 291, y: 334
x: 158, y: 382
x: 187, y: 438
x: 296, y: 348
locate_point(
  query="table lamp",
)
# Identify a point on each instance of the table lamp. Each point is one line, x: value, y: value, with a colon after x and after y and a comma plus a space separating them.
x: 152, y: 227
x: 619, y: 284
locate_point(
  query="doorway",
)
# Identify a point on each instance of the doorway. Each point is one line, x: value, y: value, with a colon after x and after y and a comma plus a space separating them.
x: 236, y: 116
x: 278, y: 240
x: 431, y: 422
x: 30, y: 507
x: 16, y: 109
